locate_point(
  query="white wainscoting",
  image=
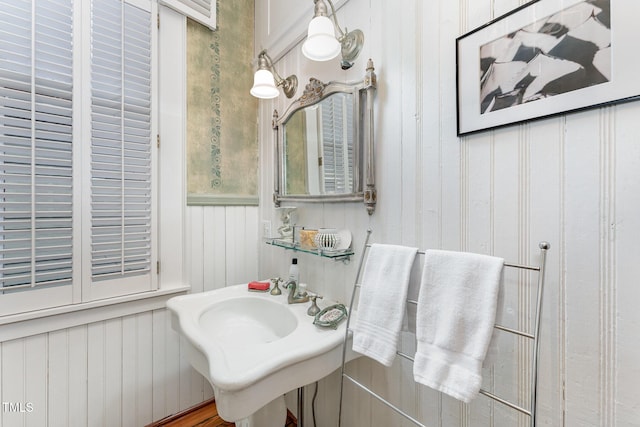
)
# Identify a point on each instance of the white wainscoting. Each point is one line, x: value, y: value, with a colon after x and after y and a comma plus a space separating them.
x: 126, y: 371
x: 132, y: 370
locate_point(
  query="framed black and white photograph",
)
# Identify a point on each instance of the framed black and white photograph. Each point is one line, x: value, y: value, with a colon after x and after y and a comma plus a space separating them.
x: 545, y: 58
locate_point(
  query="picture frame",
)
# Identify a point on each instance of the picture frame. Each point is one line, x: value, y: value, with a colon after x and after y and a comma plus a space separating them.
x: 545, y: 58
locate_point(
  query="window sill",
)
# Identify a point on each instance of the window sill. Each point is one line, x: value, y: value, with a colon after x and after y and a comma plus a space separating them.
x: 52, y: 319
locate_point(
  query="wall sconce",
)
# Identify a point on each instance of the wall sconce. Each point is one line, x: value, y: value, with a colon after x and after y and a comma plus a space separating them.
x: 322, y: 43
x: 266, y: 80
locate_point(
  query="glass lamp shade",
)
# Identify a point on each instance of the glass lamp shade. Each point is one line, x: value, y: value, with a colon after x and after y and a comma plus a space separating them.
x: 264, y: 85
x: 321, y: 43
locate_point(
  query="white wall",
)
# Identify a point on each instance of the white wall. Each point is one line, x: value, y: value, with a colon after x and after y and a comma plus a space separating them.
x: 571, y: 180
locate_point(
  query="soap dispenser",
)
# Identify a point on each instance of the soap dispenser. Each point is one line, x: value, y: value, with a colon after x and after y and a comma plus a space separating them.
x: 294, y: 271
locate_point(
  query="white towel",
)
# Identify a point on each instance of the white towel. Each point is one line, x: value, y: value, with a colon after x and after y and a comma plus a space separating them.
x: 382, y: 303
x: 409, y: 322
x: 455, y: 318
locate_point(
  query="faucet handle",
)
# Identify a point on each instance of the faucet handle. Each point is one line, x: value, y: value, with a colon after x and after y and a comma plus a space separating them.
x: 276, y: 290
x: 314, y: 309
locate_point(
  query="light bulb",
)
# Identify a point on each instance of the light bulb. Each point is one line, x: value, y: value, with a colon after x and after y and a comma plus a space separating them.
x: 321, y: 43
x: 264, y: 85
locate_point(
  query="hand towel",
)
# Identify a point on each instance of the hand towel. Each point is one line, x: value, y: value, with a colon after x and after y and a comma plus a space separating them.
x: 382, y: 302
x: 455, y: 317
x: 409, y: 321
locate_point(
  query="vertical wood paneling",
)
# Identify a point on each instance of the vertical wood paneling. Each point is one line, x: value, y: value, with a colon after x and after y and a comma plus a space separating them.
x: 624, y: 229
x: 502, y: 376
x: 130, y: 369
x: 172, y: 368
x: 502, y: 192
x: 96, y: 365
x: 356, y: 407
x: 251, y: 245
x: 195, y: 248
x: 77, y: 397
x: 607, y: 270
x: 214, y: 249
x: 525, y: 292
x: 239, y: 265
x: 393, y: 155
x: 389, y: 140
x: 234, y: 242
x: 223, y: 246
x: 581, y: 229
x: 404, y: 49
x: 144, y: 368
x: 546, y: 201
x: 112, y: 376
x: 36, y: 380
x: 120, y: 372
x: 160, y: 376
x: 478, y: 189
x: 58, y: 359
x: 185, y: 385
x: 451, y: 148
x: 13, y: 387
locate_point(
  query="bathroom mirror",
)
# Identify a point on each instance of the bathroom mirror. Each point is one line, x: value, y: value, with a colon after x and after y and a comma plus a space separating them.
x: 324, y: 144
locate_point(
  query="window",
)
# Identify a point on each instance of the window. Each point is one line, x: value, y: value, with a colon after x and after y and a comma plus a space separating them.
x: 120, y: 145
x: 203, y: 11
x: 76, y: 154
x: 337, y: 140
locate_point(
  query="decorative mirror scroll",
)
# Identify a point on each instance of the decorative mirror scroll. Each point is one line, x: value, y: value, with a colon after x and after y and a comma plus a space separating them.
x: 324, y: 149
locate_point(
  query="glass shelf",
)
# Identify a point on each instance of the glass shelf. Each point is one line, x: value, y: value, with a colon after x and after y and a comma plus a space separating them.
x: 338, y: 255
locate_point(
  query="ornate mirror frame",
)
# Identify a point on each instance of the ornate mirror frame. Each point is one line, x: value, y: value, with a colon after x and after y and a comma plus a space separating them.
x: 315, y: 92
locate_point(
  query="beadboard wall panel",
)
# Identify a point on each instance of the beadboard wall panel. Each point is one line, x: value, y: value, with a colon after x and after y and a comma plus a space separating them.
x: 582, y: 229
x: 132, y: 370
x: 624, y: 237
x: 120, y: 372
x: 570, y: 180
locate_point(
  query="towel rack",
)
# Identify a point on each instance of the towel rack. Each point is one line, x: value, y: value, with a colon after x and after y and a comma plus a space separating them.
x: 534, y: 335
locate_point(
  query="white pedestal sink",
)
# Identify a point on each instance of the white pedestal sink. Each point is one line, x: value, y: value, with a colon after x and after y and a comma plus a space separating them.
x: 253, y: 348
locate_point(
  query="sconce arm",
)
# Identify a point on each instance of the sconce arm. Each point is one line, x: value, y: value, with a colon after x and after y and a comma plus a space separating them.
x: 334, y: 16
x: 264, y: 61
x: 289, y: 85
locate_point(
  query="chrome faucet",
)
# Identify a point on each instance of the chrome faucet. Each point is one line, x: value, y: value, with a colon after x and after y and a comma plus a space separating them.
x: 294, y: 297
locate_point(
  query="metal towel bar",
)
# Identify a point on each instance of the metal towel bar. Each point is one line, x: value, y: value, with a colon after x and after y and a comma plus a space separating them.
x: 534, y: 336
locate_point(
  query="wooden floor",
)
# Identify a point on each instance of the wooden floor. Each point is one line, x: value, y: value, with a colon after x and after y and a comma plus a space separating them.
x: 205, y: 415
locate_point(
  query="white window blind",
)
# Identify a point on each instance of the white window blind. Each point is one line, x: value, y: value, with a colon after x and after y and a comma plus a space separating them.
x: 35, y: 144
x: 120, y: 140
x: 337, y: 143
x: 75, y: 151
x: 203, y: 11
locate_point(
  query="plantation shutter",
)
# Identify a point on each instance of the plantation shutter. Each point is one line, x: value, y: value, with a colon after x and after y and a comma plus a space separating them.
x: 35, y: 145
x: 120, y: 141
x: 337, y: 144
x: 203, y: 11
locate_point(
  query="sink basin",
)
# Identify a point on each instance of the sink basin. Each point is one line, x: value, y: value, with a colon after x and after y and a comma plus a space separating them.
x: 253, y: 347
x: 245, y: 322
